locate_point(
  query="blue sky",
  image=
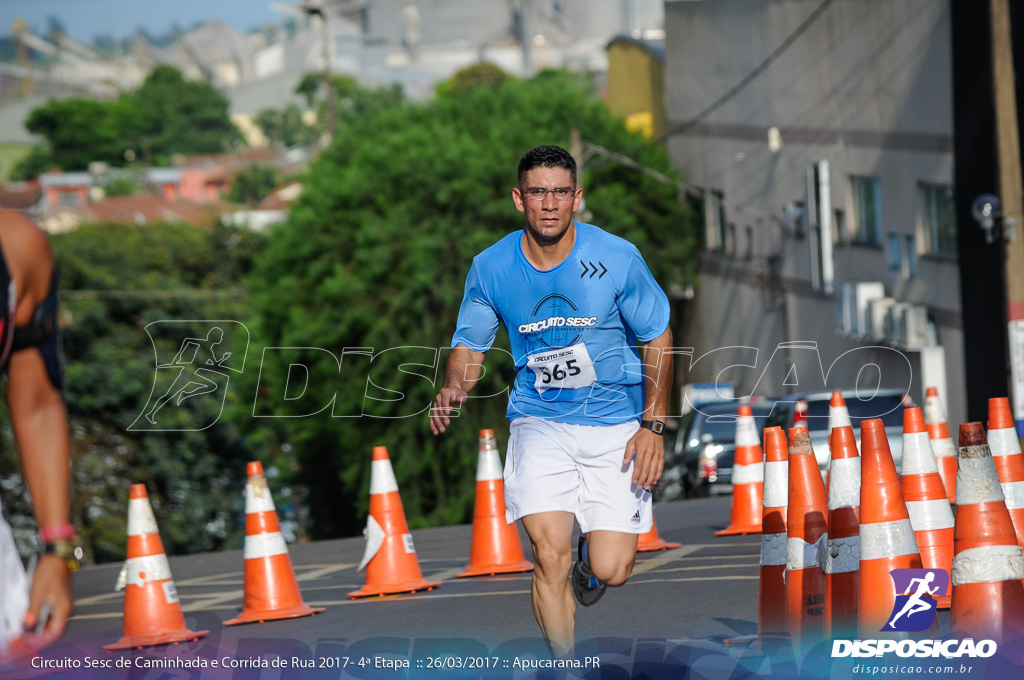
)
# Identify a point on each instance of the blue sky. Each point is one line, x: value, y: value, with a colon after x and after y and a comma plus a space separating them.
x: 84, y: 19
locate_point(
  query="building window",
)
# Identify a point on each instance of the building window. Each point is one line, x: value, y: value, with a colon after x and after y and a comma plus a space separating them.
x: 938, y: 218
x: 867, y: 205
x: 68, y: 199
x: 895, y: 256
x: 715, y: 221
x: 911, y: 248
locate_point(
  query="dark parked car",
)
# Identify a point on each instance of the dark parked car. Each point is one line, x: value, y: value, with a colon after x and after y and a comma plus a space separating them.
x: 700, y: 458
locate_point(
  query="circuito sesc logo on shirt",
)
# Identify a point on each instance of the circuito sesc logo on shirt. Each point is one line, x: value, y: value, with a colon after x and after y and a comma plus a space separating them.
x: 556, y: 322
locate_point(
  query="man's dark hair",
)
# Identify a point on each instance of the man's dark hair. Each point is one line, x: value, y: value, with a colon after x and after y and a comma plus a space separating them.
x: 547, y: 157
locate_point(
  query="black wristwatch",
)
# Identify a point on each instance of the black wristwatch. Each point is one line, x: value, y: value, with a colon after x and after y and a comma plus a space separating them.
x: 655, y: 426
x: 68, y: 551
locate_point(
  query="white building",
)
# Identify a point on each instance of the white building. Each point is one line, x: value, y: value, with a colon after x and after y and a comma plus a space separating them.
x: 823, y: 135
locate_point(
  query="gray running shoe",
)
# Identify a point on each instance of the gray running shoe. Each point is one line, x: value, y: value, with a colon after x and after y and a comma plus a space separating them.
x: 586, y: 587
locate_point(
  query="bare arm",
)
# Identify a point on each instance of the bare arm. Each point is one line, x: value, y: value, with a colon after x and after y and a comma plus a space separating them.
x: 647, y: 449
x: 460, y: 377
x: 40, y: 425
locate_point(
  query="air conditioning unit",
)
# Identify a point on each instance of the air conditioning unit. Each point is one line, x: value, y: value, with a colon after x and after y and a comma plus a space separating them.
x: 864, y: 294
x: 846, y: 308
x: 878, y: 312
x: 852, y: 300
x: 896, y: 328
x: 916, y: 326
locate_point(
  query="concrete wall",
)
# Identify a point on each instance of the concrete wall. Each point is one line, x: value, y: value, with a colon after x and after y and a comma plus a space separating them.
x: 866, y: 86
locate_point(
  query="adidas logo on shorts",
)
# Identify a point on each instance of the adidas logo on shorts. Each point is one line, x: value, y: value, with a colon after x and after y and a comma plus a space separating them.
x: 636, y: 517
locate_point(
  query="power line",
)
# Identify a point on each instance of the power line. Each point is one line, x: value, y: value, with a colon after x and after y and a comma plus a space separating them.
x: 189, y: 293
x: 750, y: 77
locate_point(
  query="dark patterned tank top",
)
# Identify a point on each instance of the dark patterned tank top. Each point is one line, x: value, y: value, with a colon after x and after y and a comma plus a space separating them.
x: 8, y: 305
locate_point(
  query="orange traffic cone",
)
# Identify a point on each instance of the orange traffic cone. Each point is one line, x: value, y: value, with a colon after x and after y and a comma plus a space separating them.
x: 838, y: 414
x: 988, y: 598
x: 651, y: 541
x: 842, y: 563
x: 152, y: 612
x: 771, y: 601
x: 942, y: 443
x: 271, y: 591
x: 390, y: 557
x: 927, y: 503
x: 495, y: 548
x: 747, y: 478
x: 807, y: 538
x: 886, y: 537
x: 1005, y: 447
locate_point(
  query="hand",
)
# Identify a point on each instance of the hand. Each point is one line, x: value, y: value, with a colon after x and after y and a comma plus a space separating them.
x: 448, y: 399
x: 51, y: 585
x: 647, y: 451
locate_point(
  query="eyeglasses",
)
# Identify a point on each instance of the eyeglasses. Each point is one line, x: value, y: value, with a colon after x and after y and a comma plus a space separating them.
x: 560, y: 194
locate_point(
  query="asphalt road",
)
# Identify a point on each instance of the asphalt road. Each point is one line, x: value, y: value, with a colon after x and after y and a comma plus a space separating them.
x: 669, y: 621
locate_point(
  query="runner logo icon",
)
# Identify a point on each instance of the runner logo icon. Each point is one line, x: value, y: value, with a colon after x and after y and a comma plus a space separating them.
x: 194, y: 363
x: 916, y: 593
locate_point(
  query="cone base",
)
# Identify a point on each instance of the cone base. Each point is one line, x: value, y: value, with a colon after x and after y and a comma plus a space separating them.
x: 393, y: 588
x: 171, y: 638
x: 492, y: 569
x: 738, y: 530
x: 660, y: 544
x: 259, y: 616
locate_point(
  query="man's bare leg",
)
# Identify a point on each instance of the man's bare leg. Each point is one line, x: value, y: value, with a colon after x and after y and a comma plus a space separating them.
x: 553, y: 605
x: 612, y: 554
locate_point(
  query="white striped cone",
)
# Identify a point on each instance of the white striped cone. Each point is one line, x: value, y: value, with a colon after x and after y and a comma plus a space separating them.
x: 747, y: 478
x: 842, y: 561
x: 774, y: 542
x: 988, y: 565
x: 1006, y: 454
x: 495, y: 547
x: 390, y: 558
x: 152, y: 612
x: 886, y: 537
x: 927, y: 503
x: 271, y: 590
x: 942, y: 444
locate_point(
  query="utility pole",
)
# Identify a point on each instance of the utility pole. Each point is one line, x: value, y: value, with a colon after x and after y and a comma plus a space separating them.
x: 319, y: 8
x: 1010, y: 193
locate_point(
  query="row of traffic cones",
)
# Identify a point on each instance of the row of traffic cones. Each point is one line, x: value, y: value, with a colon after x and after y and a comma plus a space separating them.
x: 748, y: 475
x: 153, y: 614
x: 835, y: 578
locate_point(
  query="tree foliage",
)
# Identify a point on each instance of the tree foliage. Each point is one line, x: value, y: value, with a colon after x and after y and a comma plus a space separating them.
x: 375, y: 255
x: 165, y: 115
x: 251, y: 185
x: 114, y: 281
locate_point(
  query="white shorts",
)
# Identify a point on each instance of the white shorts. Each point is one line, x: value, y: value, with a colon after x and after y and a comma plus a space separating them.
x: 574, y: 468
x: 13, y: 588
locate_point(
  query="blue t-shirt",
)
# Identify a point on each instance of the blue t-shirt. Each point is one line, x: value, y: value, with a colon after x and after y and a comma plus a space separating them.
x: 572, y: 329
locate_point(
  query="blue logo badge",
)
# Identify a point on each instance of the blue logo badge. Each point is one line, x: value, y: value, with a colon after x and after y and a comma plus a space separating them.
x: 917, y: 591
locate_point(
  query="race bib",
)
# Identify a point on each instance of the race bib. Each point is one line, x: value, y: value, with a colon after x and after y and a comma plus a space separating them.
x: 568, y: 368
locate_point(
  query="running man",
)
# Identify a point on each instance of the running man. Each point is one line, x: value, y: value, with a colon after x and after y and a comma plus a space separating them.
x: 196, y: 383
x: 915, y: 603
x: 586, y: 413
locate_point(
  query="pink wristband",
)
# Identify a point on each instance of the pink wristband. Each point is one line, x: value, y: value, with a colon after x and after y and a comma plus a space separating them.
x: 58, y: 532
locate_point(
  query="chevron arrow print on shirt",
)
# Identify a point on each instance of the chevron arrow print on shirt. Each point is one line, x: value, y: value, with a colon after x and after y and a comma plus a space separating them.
x: 593, y: 269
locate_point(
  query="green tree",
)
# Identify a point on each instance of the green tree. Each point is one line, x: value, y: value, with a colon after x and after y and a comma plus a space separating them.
x: 375, y: 255
x: 38, y: 161
x: 114, y: 281
x: 164, y: 116
x: 121, y: 185
x: 287, y: 127
x: 79, y: 131
x: 251, y: 185
x: 174, y: 115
